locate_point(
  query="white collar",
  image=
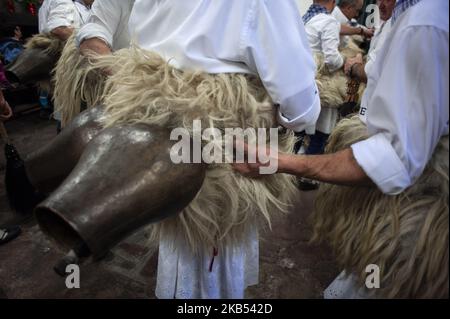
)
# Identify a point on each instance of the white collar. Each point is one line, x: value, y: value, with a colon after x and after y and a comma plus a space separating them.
x: 340, y: 15
x: 82, y: 3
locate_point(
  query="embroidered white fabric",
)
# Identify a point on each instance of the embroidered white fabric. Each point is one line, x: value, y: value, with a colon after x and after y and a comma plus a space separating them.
x: 183, y: 275
x: 345, y: 287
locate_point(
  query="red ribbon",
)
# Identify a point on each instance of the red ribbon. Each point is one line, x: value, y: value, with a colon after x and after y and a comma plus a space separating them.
x: 215, y: 254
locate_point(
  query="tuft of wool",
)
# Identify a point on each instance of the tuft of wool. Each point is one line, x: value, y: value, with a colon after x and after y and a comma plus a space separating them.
x: 144, y: 88
x: 77, y: 84
x: 405, y: 235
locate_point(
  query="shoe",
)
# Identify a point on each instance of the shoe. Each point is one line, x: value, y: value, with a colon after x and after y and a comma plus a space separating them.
x: 61, y: 267
x: 307, y: 185
x: 74, y: 257
x: 8, y: 234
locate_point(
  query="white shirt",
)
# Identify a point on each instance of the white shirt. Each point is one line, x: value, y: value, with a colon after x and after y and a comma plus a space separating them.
x: 406, y: 102
x: 339, y: 15
x: 323, y: 36
x: 61, y: 13
x: 342, y: 19
x: 259, y: 37
x: 109, y: 22
x: 377, y: 43
x: 84, y: 12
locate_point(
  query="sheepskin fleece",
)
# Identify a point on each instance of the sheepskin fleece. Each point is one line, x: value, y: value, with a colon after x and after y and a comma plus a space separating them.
x: 145, y: 89
x: 333, y: 86
x: 76, y: 83
x: 405, y: 235
x: 52, y: 46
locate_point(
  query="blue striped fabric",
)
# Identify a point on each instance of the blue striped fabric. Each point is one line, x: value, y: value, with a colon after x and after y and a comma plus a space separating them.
x: 401, y: 7
x: 313, y: 10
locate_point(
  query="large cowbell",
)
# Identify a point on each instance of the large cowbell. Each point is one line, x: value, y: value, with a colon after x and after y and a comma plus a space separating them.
x: 31, y: 66
x: 49, y: 166
x: 124, y: 180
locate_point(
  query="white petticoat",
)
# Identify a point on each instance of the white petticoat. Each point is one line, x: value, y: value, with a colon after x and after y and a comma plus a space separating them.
x: 182, y: 275
x: 345, y: 287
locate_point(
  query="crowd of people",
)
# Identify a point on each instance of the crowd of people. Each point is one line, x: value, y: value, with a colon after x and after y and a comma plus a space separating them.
x: 404, y: 106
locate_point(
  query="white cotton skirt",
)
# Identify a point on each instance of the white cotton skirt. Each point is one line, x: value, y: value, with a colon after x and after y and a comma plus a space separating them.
x: 345, y: 287
x: 183, y: 275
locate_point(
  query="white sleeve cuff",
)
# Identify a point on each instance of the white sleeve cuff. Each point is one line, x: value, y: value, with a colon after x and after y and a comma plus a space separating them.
x: 334, y: 63
x: 57, y: 23
x: 380, y: 162
x: 288, y: 114
x: 92, y: 30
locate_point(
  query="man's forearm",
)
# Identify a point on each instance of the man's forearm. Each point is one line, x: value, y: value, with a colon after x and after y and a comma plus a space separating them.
x: 339, y: 168
x: 348, y: 30
x: 94, y: 45
x: 62, y: 33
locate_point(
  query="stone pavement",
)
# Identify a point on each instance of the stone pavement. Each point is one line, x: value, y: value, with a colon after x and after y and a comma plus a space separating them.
x: 290, y: 266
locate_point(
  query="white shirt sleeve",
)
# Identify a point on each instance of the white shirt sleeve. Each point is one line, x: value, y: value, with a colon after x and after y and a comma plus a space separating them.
x: 377, y: 45
x: 105, y: 18
x: 62, y: 13
x: 330, y: 39
x: 274, y: 43
x: 371, y: 57
x: 407, y: 113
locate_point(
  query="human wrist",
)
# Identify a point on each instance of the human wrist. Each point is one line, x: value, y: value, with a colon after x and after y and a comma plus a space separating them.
x: 289, y: 163
x: 95, y: 46
x: 283, y: 162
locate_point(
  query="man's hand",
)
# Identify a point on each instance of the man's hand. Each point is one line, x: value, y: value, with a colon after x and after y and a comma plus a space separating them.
x: 339, y: 168
x: 368, y: 33
x: 252, y: 168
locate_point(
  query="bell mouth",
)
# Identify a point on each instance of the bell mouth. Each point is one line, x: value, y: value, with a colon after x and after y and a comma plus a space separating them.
x: 58, y: 229
x: 12, y: 78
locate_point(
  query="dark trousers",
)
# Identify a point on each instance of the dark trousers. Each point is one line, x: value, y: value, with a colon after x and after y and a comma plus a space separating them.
x: 317, y: 143
x: 58, y: 127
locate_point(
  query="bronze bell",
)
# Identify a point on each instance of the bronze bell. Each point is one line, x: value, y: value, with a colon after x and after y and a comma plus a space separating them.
x: 49, y: 166
x: 28, y: 181
x: 124, y: 180
x: 31, y: 66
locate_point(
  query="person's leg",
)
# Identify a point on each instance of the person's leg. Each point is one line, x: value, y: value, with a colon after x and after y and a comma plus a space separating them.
x: 346, y: 286
x: 300, y: 141
x: 210, y: 273
x: 317, y: 143
x: 58, y: 127
x: 44, y: 102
